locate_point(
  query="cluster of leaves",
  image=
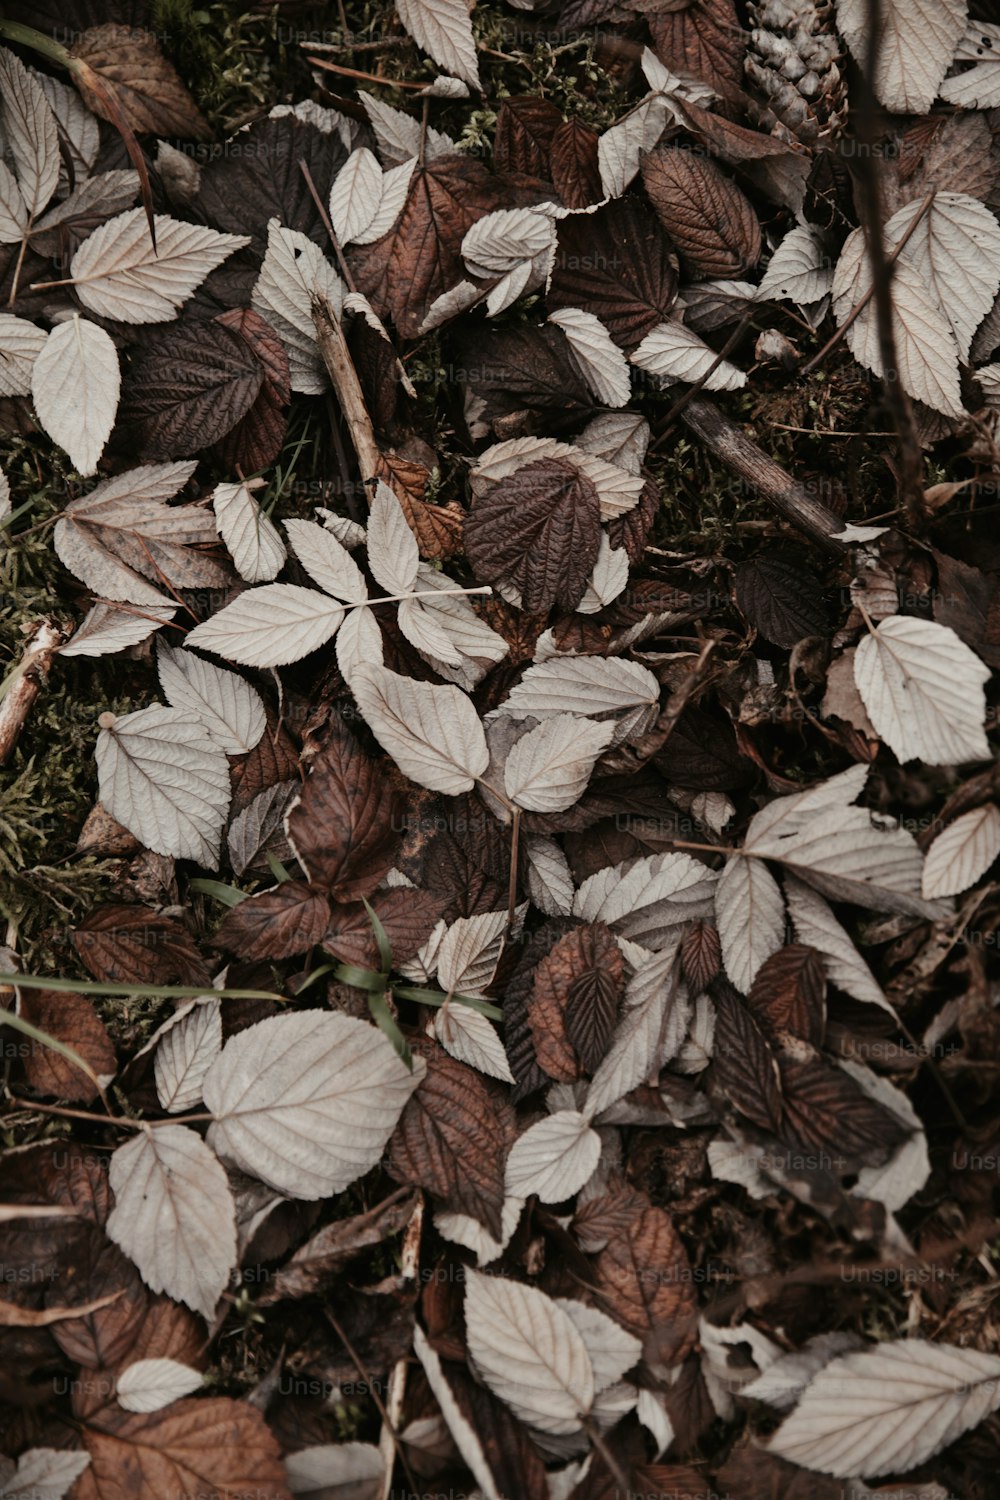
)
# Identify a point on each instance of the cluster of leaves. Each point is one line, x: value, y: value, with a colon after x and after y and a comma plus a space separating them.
x: 576, y: 928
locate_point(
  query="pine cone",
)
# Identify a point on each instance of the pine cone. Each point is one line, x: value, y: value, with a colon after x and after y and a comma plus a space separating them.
x: 792, y: 61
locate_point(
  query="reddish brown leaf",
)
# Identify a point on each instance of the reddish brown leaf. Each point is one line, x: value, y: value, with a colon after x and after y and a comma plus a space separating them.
x: 781, y: 597
x: 515, y: 1463
x: 789, y: 994
x: 420, y: 258
x: 166, y: 1331
x: 645, y: 1281
x: 525, y: 131
x: 598, y: 1220
x: 256, y: 440
x: 540, y: 530
x: 631, y: 531
x: 574, y: 1002
x: 706, y: 215
x: 617, y: 264
x: 701, y: 955
x: 91, y: 1268
x: 335, y: 1246
x: 151, y: 95
x: 278, y: 923
x: 274, y: 758
x: 704, y: 39
x: 518, y: 1041
x: 73, y: 1020
x: 744, y: 1066
x: 829, y: 1114
x: 344, y: 827
x: 408, y: 916
x: 134, y: 943
x: 451, y: 1138
x: 437, y: 528
x: 575, y: 172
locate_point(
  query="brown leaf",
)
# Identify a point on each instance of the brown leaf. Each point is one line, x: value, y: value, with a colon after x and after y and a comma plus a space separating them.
x: 134, y: 943
x: 645, y: 1281
x: 13, y: 1316
x: 616, y: 263
x: 632, y: 531
x: 744, y: 1067
x: 151, y: 95
x: 291, y: 918
x: 598, y: 1220
x: 73, y: 1020
x: 969, y: 602
x: 523, y: 372
x: 451, y: 1138
x: 437, y: 528
x: 701, y: 753
x: 540, y: 530
x: 576, y: 175
x: 781, y: 598
x: 526, y: 128
x: 420, y: 257
x: 755, y: 1475
x: 274, y: 758
x: 704, y: 39
x: 515, y: 1463
x: 166, y: 1331
x: 93, y: 1268
x: 701, y: 955
x: 60, y: 1173
x: 789, y: 993
x: 518, y: 1040
x: 574, y: 1002
x: 217, y: 1449
x: 709, y: 219
x: 826, y: 1112
x: 256, y: 440
x: 326, y: 1253
x: 344, y: 827
x: 187, y: 387
x: 408, y: 916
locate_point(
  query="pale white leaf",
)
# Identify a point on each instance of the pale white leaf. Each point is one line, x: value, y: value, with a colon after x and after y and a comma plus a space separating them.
x: 549, y: 767
x: 852, y: 533
x: 307, y: 1102
x: 677, y: 353
x: 800, y: 270
x: 851, y: 855
x: 150, y: 1384
x: 30, y: 132
x: 395, y: 186
x: 359, y: 640
x: 335, y: 1471
x: 619, y: 437
x: 621, y: 149
x: 107, y: 628
x: 398, y: 134
x: 816, y: 926
x: 609, y: 578
x: 889, y: 1408
x: 42, y: 1474
x: 444, y: 87
x: 463, y: 1435
x: 432, y: 733
x: 327, y: 561
x: 185, y: 1054
x: 5, y: 502
x: 477, y: 646
x: 174, y: 1215
x: 79, y: 131
x: 784, y: 1381
x: 893, y: 1183
x: 593, y: 687
x: 469, y: 1036
x: 648, y: 899
x: 117, y: 273
x: 100, y: 196
x: 21, y: 343
x: 956, y: 249
x: 611, y: 1348
x: 550, y: 882
x: 651, y: 1031
x: 500, y: 242
x: 696, y: 1049
x: 469, y: 951
x: 444, y: 30
x: 253, y: 541
x: 270, y: 626
x: 13, y: 210
x: 463, y: 1230
x: 732, y: 1162
x: 457, y: 299
x: 915, y: 45
x: 230, y: 708
x: 962, y: 852
x: 75, y: 385
x: 604, y: 366
x: 166, y: 781
x: 295, y: 274
x: 529, y: 1353
x: 393, y: 555
x: 356, y: 195
x: 524, y: 278
x: 924, y: 691
x: 977, y: 87
x: 783, y: 816
x: 554, y: 1158
x: 750, y: 916
x: 926, y: 349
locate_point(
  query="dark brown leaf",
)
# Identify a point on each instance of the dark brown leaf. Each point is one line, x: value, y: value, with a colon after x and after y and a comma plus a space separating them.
x: 408, y: 916
x: 523, y: 370
x: 70, y: 1019
x: 645, y: 1281
x: 278, y: 923
x: 781, y: 598
x: 744, y: 1067
x: 451, y: 1138
x: 789, y: 994
x: 515, y: 1463
x: 525, y: 131
x: 151, y: 95
x: 92, y: 1268
x: 576, y: 175
x: 344, y: 827
x: 574, y: 1002
x: 755, y: 1475
x: 709, y: 219
x: 828, y: 1113
x: 617, y: 264
x: 631, y: 531
x: 701, y: 955
x: 540, y: 530
x: 701, y: 753
x: 134, y: 943
x: 326, y: 1253
x: 274, y: 758
x: 704, y: 39
x: 969, y: 602
x: 257, y: 437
